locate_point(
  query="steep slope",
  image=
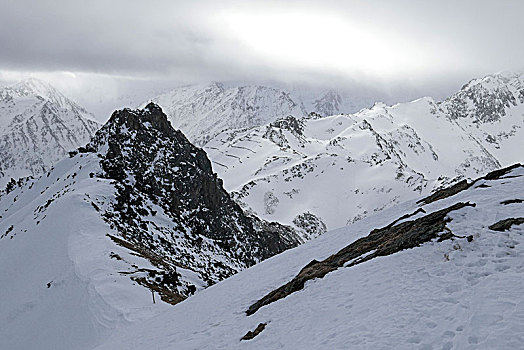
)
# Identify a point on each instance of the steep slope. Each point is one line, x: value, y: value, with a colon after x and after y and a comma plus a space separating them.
x: 39, y: 126
x: 462, y: 288
x: 201, y: 112
x: 135, y: 213
x: 341, y: 168
x: 491, y: 109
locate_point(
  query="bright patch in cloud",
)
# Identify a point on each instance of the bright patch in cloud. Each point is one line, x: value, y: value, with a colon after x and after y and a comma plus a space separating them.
x: 307, y: 40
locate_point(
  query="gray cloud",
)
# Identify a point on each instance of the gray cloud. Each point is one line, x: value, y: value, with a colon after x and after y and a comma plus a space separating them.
x: 434, y: 46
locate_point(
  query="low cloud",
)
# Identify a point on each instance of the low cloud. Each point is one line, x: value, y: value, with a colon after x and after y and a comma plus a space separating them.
x: 390, y: 45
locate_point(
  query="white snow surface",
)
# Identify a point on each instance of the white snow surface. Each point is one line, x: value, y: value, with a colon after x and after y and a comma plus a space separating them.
x: 449, y: 295
x: 62, y: 287
x: 344, y: 167
x: 202, y: 111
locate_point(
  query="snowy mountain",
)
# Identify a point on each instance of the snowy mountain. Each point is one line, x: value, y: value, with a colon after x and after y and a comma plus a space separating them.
x: 203, y: 111
x: 445, y: 272
x: 319, y: 172
x: 329, y: 104
x: 491, y: 110
x: 330, y: 101
x: 135, y: 213
x: 39, y: 125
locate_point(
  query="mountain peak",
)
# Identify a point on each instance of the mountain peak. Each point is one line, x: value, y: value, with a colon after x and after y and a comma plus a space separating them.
x: 36, y: 87
x: 485, y: 100
x: 150, y: 117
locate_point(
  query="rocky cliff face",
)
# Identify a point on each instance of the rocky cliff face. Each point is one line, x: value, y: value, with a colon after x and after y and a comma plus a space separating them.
x: 154, y: 165
x: 490, y: 110
x: 126, y: 225
x: 329, y: 104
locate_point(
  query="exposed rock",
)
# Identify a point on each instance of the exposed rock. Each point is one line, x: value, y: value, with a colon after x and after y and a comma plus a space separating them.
x: 155, y: 168
x: 497, y: 174
x: 380, y: 242
x: 446, y: 192
x: 504, y: 225
x: 251, y: 334
x: 512, y: 201
x: 464, y: 185
x: 310, y: 224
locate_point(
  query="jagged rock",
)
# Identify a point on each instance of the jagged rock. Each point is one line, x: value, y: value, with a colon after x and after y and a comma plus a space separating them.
x: 152, y: 162
x: 464, y: 185
x: 512, y: 201
x: 251, y: 334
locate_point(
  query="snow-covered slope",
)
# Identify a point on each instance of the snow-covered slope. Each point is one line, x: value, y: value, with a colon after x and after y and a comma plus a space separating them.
x: 38, y: 127
x: 136, y: 211
x: 461, y: 289
x: 338, y: 169
x: 201, y: 112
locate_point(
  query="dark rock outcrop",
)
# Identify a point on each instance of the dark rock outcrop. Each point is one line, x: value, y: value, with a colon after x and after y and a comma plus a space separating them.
x: 464, y: 185
x: 504, y: 225
x: 380, y: 242
x: 155, y: 168
x: 251, y: 334
x: 512, y: 201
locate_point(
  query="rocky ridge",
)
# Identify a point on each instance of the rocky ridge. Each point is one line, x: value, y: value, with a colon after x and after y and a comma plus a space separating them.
x: 136, y: 212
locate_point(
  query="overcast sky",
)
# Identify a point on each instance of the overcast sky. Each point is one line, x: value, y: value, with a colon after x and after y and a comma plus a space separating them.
x: 93, y: 47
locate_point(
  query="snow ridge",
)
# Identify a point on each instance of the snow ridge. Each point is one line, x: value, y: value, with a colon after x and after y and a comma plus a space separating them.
x: 201, y: 112
x: 341, y: 168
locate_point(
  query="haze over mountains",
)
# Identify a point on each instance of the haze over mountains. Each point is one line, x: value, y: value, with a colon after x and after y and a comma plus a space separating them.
x: 110, y: 218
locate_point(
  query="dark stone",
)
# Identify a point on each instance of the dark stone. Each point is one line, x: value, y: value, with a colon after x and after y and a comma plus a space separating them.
x: 504, y: 225
x: 483, y: 186
x: 380, y: 242
x: 497, y: 174
x: 464, y: 185
x: 446, y: 192
x: 512, y: 201
x: 151, y: 162
x: 251, y: 334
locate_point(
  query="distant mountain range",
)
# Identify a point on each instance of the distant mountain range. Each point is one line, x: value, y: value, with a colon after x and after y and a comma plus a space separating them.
x: 39, y: 125
x: 341, y: 168
x: 203, y: 111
